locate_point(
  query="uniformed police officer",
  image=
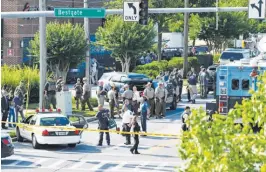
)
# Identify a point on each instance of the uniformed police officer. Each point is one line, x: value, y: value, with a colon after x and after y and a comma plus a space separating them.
x: 203, y: 78
x: 192, y: 81
x: 128, y: 95
x: 86, y: 95
x: 20, y: 91
x: 149, y: 93
x: 101, y: 93
x: 78, y: 91
x: 59, y: 84
x: 180, y: 83
x: 49, y: 93
x: 112, y: 101
x: 161, y: 96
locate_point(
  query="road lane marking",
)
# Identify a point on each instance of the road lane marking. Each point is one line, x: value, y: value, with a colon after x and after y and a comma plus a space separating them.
x: 120, y: 165
x: 137, y: 168
x: 77, y: 165
x: 96, y: 167
x: 159, y: 167
x: 39, y: 162
x: 15, y: 163
x: 54, y: 165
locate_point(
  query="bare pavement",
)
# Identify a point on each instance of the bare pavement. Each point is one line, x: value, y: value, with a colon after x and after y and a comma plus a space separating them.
x: 157, y: 153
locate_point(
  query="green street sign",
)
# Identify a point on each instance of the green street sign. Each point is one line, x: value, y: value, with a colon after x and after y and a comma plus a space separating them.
x: 80, y: 12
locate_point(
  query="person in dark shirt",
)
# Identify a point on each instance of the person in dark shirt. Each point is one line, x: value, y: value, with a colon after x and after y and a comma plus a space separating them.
x: 103, y: 117
x: 136, y: 129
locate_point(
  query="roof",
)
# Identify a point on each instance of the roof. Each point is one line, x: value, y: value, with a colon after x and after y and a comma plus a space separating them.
x: 49, y: 114
x: 124, y: 73
x: 233, y: 50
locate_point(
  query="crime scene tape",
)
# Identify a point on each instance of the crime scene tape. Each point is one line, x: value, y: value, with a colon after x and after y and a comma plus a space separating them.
x: 66, y: 128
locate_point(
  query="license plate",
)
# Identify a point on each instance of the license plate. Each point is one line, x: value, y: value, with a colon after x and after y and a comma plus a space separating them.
x: 61, y: 133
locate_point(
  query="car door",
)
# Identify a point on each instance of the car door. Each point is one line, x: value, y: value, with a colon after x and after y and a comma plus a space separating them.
x: 78, y: 121
x: 23, y: 128
x: 30, y: 128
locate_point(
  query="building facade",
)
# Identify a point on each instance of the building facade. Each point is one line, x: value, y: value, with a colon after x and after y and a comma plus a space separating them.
x: 17, y: 33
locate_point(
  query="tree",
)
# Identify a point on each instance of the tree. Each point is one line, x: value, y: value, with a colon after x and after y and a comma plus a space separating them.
x: 66, y: 45
x: 219, y: 145
x: 126, y: 40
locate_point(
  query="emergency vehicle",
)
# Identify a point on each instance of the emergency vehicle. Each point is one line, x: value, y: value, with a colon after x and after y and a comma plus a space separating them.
x: 235, y: 79
x: 50, y: 127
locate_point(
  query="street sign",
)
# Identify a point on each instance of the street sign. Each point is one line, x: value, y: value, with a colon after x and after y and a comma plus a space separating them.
x: 80, y: 12
x: 256, y: 9
x: 10, y: 52
x: 131, y: 11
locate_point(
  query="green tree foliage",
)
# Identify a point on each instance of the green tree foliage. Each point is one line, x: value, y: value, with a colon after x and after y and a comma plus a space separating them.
x: 66, y: 45
x: 219, y: 145
x: 126, y: 40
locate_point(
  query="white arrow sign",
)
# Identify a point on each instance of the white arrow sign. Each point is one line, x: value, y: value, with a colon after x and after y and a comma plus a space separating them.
x: 256, y: 9
x: 131, y: 11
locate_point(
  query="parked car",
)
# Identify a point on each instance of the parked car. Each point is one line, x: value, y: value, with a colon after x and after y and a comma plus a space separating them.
x: 7, y: 147
x: 171, y: 101
x: 232, y: 54
x: 168, y: 53
x: 202, y: 49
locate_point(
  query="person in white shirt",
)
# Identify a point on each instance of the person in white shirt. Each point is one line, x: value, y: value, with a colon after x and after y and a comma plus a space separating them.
x: 135, y: 100
x: 94, y: 72
x: 126, y: 120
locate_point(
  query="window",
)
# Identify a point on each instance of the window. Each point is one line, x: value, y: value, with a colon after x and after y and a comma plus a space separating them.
x: 231, y: 56
x: 54, y: 121
x: 116, y: 78
x: 235, y: 84
x: 245, y: 84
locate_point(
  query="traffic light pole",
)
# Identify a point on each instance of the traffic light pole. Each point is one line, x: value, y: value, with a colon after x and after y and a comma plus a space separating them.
x: 185, y: 53
x: 43, y: 52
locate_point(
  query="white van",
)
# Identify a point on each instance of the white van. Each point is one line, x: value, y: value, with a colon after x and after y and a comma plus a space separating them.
x: 232, y: 54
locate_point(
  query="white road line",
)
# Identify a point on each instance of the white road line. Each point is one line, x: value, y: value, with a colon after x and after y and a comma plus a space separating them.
x: 141, y: 165
x: 112, y: 154
x: 120, y: 165
x: 56, y: 164
x: 77, y: 165
x: 161, y: 166
x: 96, y: 167
x: 39, y: 162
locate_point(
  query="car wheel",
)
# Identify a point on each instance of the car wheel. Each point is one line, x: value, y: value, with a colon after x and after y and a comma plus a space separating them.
x: 72, y: 145
x: 35, y: 144
x: 20, y: 139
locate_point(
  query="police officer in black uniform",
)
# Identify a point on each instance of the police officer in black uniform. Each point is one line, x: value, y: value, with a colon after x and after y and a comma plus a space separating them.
x: 103, y: 117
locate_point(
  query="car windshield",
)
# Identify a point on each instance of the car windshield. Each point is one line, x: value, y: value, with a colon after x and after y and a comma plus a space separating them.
x: 201, y: 49
x: 54, y: 121
x: 132, y: 76
x: 105, y: 76
x: 232, y: 56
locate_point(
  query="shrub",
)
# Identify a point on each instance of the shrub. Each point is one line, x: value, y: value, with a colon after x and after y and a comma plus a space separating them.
x: 94, y: 102
x: 154, y: 68
x: 216, y: 58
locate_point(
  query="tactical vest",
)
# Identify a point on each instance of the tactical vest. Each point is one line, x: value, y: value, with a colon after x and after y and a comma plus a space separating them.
x: 52, y: 86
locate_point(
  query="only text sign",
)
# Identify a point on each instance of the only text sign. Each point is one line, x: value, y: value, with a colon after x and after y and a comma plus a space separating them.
x: 256, y: 9
x: 131, y: 11
x: 79, y: 12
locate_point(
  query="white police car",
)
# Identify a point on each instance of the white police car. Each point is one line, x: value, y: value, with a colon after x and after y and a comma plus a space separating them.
x: 46, y: 128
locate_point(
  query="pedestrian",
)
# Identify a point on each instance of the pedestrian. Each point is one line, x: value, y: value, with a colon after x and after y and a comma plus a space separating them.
x: 128, y: 95
x: 4, y: 108
x: 136, y: 130
x: 184, y: 117
x: 135, y: 100
x: 86, y: 96
x: 126, y: 121
x: 18, y: 108
x: 150, y: 95
x: 192, y: 81
x: 94, y: 71
x: 12, y: 116
x: 203, y: 79
x: 144, y: 111
x: 20, y: 91
x: 58, y: 84
x: 50, y: 92
x: 112, y: 101
x: 103, y: 118
x: 166, y: 76
x: 101, y: 93
x: 180, y: 84
x: 160, y: 101
x: 78, y: 93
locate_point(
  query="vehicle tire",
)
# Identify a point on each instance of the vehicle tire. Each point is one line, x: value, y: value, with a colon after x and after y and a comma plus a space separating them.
x: 174, y: 104
x: 72, y: 145
x: 20, y: 139
x: 35, y: 144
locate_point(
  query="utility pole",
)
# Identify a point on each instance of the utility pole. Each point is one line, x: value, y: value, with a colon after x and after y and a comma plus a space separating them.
x: 43, y: 52
x: 87, y: 37
x: 185, y: 65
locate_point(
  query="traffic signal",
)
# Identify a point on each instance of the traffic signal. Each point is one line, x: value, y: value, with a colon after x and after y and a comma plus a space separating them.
x: 143, y: 12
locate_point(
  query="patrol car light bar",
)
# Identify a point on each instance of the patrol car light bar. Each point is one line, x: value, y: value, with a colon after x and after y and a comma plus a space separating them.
x: 48, y: 110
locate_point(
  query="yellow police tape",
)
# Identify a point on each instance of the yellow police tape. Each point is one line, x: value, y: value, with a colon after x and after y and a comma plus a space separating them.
x: 28, y: 127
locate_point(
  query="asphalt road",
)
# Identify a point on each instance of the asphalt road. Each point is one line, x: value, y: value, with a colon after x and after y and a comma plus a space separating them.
x: 157, y: 153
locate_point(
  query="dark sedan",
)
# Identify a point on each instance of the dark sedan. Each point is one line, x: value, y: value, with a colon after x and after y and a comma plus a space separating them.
x: 7, y: 148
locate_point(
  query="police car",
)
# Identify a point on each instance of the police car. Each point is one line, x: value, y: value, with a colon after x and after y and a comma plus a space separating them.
x: 47, y: 128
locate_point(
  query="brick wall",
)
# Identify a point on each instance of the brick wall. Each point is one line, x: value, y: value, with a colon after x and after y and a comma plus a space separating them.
x: 16, y: 29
